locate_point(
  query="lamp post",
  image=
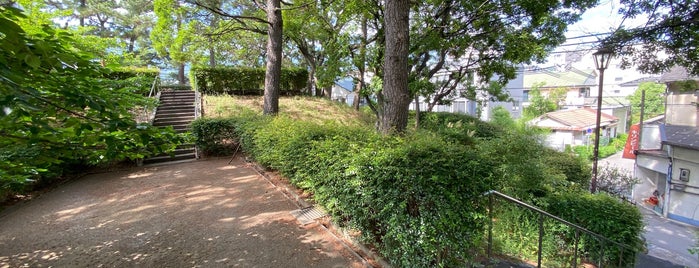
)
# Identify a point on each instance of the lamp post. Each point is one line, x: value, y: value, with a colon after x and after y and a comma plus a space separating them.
x: 602, y: 57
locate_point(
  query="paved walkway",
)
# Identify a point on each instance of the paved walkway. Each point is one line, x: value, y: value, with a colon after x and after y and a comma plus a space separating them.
x: 666, y: 239
x: 195, y: 214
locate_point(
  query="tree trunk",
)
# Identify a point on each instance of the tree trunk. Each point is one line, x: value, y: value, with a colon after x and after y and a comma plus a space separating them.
x: 319, y: 92
x: 396, y: 96
x: 328, y: 92
x: 81, y: 11
x: 180, y: 74
x: 274, y: 57
x: 417, y: 111
x: 212, y: 54
x: 362, y: 65
x: 311, y: 79
x: 132, y: 43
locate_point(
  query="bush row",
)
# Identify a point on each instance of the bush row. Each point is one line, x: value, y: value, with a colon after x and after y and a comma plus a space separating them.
x: 246, y: 81
x: 418, y: 198
x: 135, y: 80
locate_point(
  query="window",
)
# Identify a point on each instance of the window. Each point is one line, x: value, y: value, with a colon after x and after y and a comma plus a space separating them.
x: 617, y: 91
x: 525, y: 95
x: 618, y: 79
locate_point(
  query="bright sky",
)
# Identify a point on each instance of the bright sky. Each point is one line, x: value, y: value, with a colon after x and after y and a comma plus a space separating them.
x: 602, y: 19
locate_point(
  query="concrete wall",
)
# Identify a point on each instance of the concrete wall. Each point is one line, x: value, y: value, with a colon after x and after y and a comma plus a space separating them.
x: 681, y: 108
x: 684, y: 195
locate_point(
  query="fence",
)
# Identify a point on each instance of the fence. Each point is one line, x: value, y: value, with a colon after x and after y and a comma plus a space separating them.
x: 626, y: 253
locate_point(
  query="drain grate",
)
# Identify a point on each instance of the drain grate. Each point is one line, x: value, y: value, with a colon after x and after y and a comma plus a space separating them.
x: 307, y: 215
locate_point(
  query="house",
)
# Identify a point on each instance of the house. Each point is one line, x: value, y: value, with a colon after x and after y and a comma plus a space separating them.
x: 667, y: 159
x: 576, y: 83
x: 575, y: 127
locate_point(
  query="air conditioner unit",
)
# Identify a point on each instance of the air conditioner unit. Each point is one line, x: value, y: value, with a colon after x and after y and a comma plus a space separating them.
x: 684, y: 174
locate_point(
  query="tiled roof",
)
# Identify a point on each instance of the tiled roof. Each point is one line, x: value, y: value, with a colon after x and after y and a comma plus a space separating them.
x: 571, y: 78
x: 677, y: 74
x: 635, y: 83
x: 682, y: 136
x: 580, y: 119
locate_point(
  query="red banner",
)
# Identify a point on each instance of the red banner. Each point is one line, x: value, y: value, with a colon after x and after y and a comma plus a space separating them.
x: 632, y: 142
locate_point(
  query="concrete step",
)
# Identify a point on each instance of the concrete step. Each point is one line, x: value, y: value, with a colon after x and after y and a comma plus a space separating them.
x: 175, y: 125
x: 177, y: 109
x: 168, y: 158
x: 174, y: 113
x: 173, y: 119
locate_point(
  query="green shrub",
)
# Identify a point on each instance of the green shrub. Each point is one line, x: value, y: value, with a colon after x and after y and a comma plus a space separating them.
x: 459, y: 128
x: 246, y: 81
x: 418, y: 198
x: 604, y: 215
x: 135, y: 80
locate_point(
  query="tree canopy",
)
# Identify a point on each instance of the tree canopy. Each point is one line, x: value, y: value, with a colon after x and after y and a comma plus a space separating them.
x: 59, y: 106
x: 668, y: 38
x: 654, y: 103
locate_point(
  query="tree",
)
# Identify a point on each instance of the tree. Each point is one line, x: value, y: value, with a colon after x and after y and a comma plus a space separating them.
x: 173, y: 36
x: 654, y: 102
x: 539, y: 104
x: 395, y: 96
x: 464, y: 46
x: 317, y: 30
x: 670, y: 30
x: 274, y: 57
x: 57, y: 106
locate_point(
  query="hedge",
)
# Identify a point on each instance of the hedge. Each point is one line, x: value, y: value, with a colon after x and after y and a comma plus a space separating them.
x: 417, y: 198
x: 136, y: 80
x: 246, y: 81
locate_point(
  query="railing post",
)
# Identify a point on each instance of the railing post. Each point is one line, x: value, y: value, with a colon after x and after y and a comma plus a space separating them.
x: 575, y: 248
x: 601, y: 256
x: 541, y: 239
x: 490, y: 226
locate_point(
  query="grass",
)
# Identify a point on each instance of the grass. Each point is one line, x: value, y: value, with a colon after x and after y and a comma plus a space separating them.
x: 311, y: 109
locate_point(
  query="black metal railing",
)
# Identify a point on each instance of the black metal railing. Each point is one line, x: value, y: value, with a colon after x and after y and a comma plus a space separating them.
x: 578, y: 231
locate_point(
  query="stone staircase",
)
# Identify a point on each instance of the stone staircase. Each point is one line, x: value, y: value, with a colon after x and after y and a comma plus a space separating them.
x: 176, y: 109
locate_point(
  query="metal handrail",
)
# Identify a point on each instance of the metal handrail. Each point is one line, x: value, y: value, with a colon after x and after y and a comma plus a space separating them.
x: 543, y: 213
x: 149, y: 113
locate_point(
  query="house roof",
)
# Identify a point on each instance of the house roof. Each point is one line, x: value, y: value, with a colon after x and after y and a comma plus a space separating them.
x: 578, y: 119
x: 677, y: 73
x: 570, y: 78
x: 635, y: 83
x: 608, y: 101
x: 346, y: 83
x: 682, y: 136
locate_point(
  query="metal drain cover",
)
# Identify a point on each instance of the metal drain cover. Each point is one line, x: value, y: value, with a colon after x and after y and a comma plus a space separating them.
x: 307, y: 215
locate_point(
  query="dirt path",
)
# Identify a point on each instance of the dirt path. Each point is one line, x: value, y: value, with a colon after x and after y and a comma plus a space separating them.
x: 197, y: 214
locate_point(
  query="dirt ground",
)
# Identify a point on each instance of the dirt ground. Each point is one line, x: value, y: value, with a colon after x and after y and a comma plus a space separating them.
x: 204, y: 213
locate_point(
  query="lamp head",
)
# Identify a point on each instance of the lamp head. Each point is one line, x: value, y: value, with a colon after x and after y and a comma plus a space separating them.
x: 602, y: 58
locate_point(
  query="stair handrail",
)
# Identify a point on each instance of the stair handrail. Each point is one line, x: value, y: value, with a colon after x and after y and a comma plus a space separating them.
x: 543, y: 213
x: 147, y: 112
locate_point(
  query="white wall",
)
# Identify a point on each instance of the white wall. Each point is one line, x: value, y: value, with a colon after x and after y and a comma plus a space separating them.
x: 684, y: 195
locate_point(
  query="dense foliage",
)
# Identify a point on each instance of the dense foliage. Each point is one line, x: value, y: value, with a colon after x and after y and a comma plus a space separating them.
x: 246, y: 81
x: 60, y: 109
x: 418, y: 198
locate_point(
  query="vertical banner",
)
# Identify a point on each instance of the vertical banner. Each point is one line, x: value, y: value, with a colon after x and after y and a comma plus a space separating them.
x: 632, y: 142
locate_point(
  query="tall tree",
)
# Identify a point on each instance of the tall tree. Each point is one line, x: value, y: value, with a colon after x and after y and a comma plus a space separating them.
x: 318, y: 31
x: 671, y: 30
x: 395, y: 96
x: 461, y: 46
x: 173, y: 35
x: 274, y: 57
x: 654, y: 103
x: 244, y: 17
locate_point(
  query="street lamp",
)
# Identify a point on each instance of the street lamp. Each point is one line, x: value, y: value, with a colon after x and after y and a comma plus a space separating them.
x: 602, y: 57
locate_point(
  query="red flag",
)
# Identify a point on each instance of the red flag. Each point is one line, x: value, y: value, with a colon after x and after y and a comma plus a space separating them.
x: 632, y: 142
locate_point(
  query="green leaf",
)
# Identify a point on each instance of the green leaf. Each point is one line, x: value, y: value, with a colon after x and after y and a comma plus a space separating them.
x: 32, y: 60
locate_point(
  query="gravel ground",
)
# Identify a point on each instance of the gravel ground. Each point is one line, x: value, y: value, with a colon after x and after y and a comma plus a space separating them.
x: 197, y: 214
